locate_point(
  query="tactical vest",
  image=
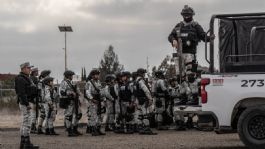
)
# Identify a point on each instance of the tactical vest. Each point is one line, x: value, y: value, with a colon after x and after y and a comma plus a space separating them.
x: 112, y: 92
x: 139, y: 92
x: 189, y: 37
x: 125, y: 92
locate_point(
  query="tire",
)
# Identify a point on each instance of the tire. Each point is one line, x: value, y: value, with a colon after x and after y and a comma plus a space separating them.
x: 251, y: 127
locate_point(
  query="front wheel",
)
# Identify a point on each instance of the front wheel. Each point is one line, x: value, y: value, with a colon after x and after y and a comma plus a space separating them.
x: 251, y: 127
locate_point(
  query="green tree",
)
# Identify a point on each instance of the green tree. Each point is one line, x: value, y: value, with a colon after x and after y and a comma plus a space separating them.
x: 167, y: 66
x: 109, y: 64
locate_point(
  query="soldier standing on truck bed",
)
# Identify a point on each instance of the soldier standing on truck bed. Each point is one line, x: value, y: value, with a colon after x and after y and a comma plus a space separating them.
x: 191, y: 33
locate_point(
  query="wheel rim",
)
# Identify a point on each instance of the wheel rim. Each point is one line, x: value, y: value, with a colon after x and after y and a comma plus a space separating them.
x: 256, y: 127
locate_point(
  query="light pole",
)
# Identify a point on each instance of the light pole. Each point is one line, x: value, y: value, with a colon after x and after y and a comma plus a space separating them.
x: 65, y: 29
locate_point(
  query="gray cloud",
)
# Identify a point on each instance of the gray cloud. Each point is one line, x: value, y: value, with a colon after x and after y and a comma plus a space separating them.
x: 136, y: 29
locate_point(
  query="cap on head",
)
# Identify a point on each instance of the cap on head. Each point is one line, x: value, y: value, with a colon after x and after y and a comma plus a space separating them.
x: 159, y: 73
x: 110, y: 77
x: 141, y: 71
x: 45, y: 73
x: 94, y: 72
x: 26, y: 65
x: 47, y: 80
x: 187, y: 11
x: 125, y: 73
x: 34, y: 69
x: 68, y: 73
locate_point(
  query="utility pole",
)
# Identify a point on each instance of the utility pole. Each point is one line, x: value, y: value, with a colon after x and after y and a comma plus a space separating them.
x: 65, y: 29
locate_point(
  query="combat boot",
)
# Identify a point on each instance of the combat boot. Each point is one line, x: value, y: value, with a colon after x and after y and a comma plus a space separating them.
x: 180, y: 125
x: 52, y: 132
x: 94, y: 131
x: 75, y: 131
x: 28, y: 144
x: 47, y: 131
x: 128, y: 129
x: 88, y: 129
x: 161, y: 127
x: 39, y: 131
x: 70, y: 133
x: 101, y: 130
x: 147, y: 131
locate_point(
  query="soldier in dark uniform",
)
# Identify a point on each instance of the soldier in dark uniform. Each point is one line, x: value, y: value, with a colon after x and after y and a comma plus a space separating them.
x: 25, y: 88
x: 191, y: 33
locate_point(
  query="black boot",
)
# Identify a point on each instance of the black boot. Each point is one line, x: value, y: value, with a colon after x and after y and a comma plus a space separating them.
x: 40, y: 130
x: 70, y: 133
x: 147, y: 131
x: 180, y: 125
x: 47, y: 131
x: 33, y: 128
x: 129, y: 129
x: 28, y: 144
x: 75, y: 131
x: 101, y: 130
x: 88, y: 129
x: 52, y: 132
x: 161, y: 127
x: 94, y: 131
x: 22, y: 142
x: 135, y: 128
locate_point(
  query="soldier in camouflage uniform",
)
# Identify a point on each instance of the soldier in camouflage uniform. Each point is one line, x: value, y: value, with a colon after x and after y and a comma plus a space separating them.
x: 161, y: 93
x: 111, y: 97
x: 70, y: 93
x: 95, y: 111
x: 33, y: 102
x: 25, y: 89
x: 145, y: 100
x: 175, y: 95
x: 41, y: 87
x: 49, y: 106
x: 193, y: 96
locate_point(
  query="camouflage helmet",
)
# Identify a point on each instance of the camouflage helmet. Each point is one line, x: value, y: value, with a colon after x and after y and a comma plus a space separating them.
x: 159, y: 73
x: 45, y: 73
x: 68, y: 73
x: 187, y: 10
x: 125, y: 73
x: 174, y: 79
x: 141, y: 71
x: 94, y: 72
x: 134, y: 75
x: 109, y: 78
x: 47, y: 80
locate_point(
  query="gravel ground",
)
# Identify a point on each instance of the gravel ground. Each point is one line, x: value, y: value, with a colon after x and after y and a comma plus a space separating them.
x: 191, y: 139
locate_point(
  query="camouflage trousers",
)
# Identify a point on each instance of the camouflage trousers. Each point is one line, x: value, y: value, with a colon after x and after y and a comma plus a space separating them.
x: 160, y: 108
x: 142, y: 114
x: 110, y: 112
x: 93, y: 117
x: 41, y: 114
x: 71, y: 117
x: 50, y: 115
x: 33, y: 113
x: 26, y: 120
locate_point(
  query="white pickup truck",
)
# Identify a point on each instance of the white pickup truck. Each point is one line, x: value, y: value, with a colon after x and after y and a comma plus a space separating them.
x: 233, y: 99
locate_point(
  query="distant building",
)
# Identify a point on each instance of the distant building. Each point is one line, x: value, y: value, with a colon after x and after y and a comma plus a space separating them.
x: 4, y: 77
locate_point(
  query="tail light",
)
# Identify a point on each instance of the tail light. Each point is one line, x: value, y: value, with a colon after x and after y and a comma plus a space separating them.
x: 204, y: 95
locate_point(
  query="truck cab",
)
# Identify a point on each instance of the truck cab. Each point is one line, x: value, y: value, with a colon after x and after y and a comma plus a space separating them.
x: 233, y: 92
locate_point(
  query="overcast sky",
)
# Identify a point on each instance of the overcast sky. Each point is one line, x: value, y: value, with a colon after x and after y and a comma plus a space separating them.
x: 136, y: 29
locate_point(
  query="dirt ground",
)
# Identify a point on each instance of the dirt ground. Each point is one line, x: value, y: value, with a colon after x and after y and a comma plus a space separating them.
x: 170, y: 139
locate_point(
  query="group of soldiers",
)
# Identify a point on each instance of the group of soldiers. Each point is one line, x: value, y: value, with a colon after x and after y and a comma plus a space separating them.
x: 123, y: 103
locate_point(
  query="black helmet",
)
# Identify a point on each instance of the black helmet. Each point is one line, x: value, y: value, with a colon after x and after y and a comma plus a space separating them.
x: 134, y: 75
x: 187, y: 10
x: 141, y: 71
x: 45, y: 73
x: 109, y: 78
x: 68, y: 73
x: 47, y: 80
x: 125, y: 73
x: 159, y: 73
x: 94, y: 72
x: 174, y: 79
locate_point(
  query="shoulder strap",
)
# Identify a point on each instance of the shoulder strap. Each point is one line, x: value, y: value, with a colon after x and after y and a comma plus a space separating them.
x: 94, y: 86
